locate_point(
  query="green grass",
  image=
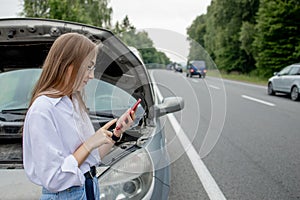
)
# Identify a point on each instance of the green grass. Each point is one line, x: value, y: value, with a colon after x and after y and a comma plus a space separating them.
x: 239, y: 77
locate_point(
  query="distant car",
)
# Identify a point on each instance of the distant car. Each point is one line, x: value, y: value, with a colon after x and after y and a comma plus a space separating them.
x: 286, y: 81
x: 178, y: 68
x: 138, y: 166
x: 169, y: 66
x: 174, y: 66
x: 196, y: 68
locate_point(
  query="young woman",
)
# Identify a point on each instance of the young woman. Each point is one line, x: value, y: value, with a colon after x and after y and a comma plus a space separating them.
x: 60, y: 146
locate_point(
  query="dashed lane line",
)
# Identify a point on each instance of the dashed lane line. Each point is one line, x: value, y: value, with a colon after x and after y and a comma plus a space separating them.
x: 258, y: 100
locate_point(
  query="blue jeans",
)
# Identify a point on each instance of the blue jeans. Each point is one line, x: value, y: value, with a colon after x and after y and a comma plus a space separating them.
x: 72, y: 193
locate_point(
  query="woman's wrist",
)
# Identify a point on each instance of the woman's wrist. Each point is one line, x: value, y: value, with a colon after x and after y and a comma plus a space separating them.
x: 90, y: 143
x: 117, y: 132
x: 82, y: 153
x: 116, y: 136
x: 87, y: 147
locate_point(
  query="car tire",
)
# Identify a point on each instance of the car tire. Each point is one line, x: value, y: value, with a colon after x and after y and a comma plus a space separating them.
x: 295, y: 93
x: 270, y: 89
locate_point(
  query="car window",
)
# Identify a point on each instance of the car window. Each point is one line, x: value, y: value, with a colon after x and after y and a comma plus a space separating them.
x: 102, y: 96
x: 285, y: 71
x: 294, y: 71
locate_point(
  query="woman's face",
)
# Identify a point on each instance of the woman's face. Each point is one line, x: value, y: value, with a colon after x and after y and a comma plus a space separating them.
x: 88, y: 74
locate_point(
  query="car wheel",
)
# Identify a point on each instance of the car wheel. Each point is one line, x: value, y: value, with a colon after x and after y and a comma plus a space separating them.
x: 199, y: 75
x: 270, y: 89
x: 187, y: 75
x: 295, y: 93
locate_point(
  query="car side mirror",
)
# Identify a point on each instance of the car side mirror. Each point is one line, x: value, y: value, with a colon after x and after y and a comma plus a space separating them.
x: 169, y: 105
x: 276, y: 74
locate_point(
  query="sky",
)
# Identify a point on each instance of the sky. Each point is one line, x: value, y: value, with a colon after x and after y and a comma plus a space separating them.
x: 164, y: 20
x: 175, y: 15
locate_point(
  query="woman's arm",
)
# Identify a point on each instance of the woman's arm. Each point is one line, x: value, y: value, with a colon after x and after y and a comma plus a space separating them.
x: 81, y: 153
x: 101, y: 139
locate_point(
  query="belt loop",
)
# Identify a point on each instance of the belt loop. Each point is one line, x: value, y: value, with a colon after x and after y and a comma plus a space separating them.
x: 91, y: 173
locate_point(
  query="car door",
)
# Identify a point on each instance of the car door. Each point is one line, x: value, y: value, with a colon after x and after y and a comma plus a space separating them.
x: 289, y: 79
x: 281, y: 79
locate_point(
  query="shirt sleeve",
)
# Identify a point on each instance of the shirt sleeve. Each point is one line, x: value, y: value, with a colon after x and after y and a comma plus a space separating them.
x: 55, y: 170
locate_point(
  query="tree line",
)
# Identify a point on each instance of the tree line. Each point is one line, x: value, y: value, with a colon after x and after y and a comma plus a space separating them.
x: 97, y: 13
x: 255, y: 37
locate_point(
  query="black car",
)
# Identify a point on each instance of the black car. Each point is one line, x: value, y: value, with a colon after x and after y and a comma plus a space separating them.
x: 196, y: 68
x: 138, y: 166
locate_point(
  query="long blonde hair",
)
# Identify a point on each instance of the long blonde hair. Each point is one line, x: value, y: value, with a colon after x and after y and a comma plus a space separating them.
x: 68, y: 49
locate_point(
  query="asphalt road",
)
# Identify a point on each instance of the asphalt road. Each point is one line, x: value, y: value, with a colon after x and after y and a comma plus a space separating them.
x: 249, y: 141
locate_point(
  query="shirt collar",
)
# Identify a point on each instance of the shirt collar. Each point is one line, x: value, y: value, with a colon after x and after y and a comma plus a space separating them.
x: 55, y: 101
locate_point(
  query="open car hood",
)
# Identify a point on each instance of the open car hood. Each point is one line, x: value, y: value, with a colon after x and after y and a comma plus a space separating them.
x: 25, y: 42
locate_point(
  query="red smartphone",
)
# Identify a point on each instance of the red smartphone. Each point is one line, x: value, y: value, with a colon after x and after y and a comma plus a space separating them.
x: 133, y: 108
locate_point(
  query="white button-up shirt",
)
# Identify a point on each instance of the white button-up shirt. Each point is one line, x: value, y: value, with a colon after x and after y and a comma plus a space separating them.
x: 53, y: 130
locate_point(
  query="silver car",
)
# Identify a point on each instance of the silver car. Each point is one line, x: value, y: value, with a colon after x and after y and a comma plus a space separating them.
x: 286, y: 81
x: 138, y: 166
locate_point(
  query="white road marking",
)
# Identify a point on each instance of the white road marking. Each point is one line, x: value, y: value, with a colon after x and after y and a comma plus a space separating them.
x: 208, y: 182
x: 195, y: 81
x: 212, y: 189
x: 258, y: 100
x: 214, y: 87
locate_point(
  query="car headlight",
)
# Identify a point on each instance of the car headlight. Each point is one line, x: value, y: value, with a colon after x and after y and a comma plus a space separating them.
x: 130, y: 178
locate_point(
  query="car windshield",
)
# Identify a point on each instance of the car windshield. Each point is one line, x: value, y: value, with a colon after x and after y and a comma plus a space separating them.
x: 199, y: 64
x: 16, y: 87
x: 101, y: 97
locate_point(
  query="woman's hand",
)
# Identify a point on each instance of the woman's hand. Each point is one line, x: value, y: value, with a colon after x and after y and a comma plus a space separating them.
x: 124, y: 122
x: 102, y: 136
